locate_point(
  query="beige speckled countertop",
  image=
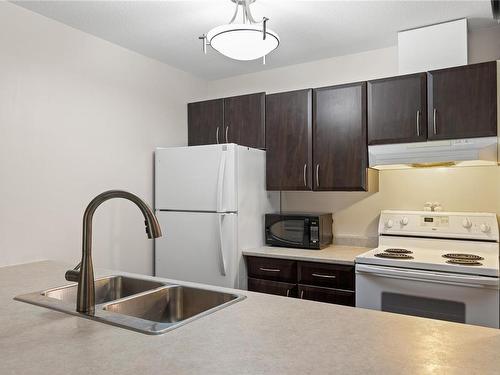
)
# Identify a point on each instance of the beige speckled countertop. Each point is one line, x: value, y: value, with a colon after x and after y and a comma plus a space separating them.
x: 263, y: 334
x: 338, y: 254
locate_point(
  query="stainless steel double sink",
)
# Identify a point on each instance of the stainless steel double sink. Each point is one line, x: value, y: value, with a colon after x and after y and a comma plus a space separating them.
x: 146, y: 306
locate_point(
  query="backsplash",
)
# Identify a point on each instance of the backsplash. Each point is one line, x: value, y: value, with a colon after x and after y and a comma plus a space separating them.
x: 355, y: 214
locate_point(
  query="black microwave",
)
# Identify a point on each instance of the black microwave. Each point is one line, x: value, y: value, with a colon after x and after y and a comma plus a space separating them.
x: 302, y: 230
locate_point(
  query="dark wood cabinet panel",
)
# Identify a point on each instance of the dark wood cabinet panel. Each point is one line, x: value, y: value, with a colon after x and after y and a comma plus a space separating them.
x: 288, y: 140
x: 326, y: 275
x: 339, y: 297
x: 397, y: 109
x: 272, y: 287
x: 205, y: 122
x: 244, y: 120
x: 323, y: 282
x: 340, y: 144
x: 272, y: 269
x: 462, y: 101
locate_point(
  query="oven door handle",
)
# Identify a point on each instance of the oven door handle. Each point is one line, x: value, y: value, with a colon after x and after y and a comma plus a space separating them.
x: 464, y: 280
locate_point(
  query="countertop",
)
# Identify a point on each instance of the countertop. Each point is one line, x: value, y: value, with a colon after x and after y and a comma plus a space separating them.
x: 338, y: 254
x: 262, y: 334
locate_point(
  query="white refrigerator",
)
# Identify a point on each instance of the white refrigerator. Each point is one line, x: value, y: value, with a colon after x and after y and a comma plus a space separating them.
x: 210, y: 202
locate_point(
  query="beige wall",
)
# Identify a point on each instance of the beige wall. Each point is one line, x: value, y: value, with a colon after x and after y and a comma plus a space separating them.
x: 78, y: 116
x: 356, y: 213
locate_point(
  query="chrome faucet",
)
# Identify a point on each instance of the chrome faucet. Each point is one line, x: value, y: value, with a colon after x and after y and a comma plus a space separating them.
x: 84, y: 272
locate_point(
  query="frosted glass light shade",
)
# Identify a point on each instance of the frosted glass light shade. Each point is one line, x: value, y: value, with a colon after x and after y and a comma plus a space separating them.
x: 242, y: 41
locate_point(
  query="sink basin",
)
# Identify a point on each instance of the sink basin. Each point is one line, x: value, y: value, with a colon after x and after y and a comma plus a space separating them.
x: 172, y: 304
x: 146, y: 306
x: 107, y: 289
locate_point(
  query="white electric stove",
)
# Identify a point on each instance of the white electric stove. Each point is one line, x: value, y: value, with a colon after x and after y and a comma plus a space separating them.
x: 441, y: 265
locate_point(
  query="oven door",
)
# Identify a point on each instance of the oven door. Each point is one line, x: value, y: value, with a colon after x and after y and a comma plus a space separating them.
x: 453, y: 297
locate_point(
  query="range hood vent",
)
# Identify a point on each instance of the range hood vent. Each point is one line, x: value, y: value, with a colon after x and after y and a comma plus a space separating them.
x: 452, y: 152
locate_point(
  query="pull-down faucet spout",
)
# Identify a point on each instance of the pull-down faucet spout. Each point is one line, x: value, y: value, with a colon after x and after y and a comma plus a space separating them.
x: 85, y: 302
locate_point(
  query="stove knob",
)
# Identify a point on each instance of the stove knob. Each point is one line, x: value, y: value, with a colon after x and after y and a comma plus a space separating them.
x: 485, y: 228
x: 466, y: 223
x: 389, y: 223
x: 404, y: 221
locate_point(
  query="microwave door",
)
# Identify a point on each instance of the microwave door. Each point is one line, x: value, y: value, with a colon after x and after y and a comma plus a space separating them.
x: 290, y: 231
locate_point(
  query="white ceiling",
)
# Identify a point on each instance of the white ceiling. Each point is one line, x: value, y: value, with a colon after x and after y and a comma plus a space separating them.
x: 309, y: 30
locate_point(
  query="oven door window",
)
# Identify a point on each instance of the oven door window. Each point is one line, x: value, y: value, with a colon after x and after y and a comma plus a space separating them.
x: 424, y: 307
x: 291, y: 231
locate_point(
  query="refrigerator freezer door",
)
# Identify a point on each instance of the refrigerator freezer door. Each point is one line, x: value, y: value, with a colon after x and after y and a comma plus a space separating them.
x: 200, y: 178
x: 197, y: 247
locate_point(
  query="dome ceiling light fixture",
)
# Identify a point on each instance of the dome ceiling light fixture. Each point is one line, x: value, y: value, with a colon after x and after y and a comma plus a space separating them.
x: 249, y: 40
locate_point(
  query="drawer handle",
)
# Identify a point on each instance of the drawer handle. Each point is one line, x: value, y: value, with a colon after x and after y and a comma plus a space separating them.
x: 302, y: 294
x: 418, y: 123
x: 269, y: 269
x: 324, y: 276
x: 288, y: 292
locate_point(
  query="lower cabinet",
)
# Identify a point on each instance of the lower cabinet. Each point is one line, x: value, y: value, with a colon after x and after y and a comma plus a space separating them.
x: 328, y: 295
x: 315, y: 281
x: 272, y: 287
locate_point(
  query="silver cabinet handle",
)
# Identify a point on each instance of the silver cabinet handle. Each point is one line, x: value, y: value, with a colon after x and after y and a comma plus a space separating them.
x: 324, y: 276
x: 305, y: 172
x: 288, y: 292
x: 217, y: 135
x: 317, y: 175
x: 227, y: 129
x: 302, y: 294
x: 434, y: 113
x: 269, y: 269
x: 418, y: 123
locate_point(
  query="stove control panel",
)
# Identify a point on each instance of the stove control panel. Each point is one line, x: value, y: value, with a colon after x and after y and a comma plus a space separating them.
x: 466, y: 225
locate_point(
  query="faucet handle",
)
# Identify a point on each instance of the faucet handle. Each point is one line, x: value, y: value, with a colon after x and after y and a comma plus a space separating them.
x: 72, y: 275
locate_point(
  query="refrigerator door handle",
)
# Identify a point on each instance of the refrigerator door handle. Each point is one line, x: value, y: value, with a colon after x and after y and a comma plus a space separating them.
x: 221, y: 246
x: 220, y: 181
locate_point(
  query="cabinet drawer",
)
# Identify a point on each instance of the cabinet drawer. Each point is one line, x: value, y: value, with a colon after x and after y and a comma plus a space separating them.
x: 326, y: 275
x: 272, y: 287
x: 339, y: 297
x: 272, y: 269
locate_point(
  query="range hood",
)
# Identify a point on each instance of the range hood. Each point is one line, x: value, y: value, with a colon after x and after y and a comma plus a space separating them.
x: 451, y: 152
x: 419, y: 50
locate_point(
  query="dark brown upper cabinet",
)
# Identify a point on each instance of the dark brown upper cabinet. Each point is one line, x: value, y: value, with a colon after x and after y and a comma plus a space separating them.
x: 238, y: 119
x: 244, y: 120
x: 397, y: 109
x: 205, y: 122
x: 462, y: 101
x: 339, y: 130
x: 288, y: 140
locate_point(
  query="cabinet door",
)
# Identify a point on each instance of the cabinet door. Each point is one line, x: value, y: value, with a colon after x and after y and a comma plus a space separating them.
x: 327, y: 275
x: 272, y: 287
x: 205, y: 122
x: 397, y: 109
x: 339, y: 297
x: 463, y: 102
x: 339, y: 128
x: 288, y: 141
x: 244, y: 120
x: 284, y: 270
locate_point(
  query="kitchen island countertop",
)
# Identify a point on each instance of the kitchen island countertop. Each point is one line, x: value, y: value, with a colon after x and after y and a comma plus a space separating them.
x: 262, y: 334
